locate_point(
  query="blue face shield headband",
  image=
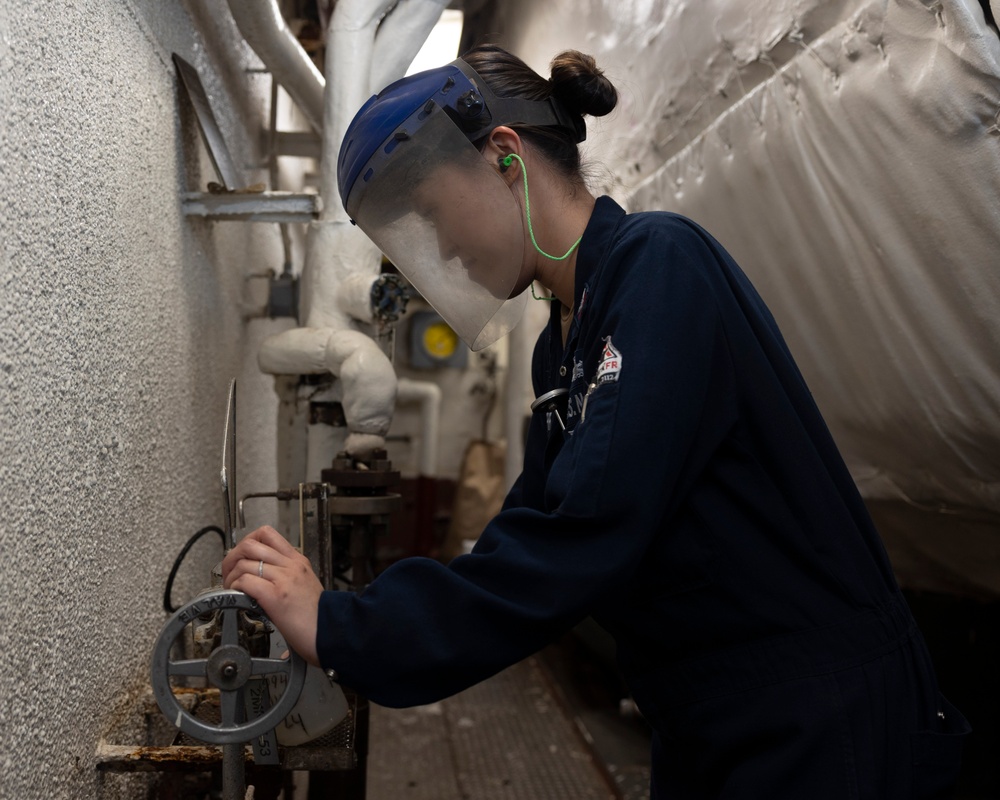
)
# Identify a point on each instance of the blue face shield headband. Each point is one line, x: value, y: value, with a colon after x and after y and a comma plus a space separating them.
x: 412, y: 179
x: 459, y: 91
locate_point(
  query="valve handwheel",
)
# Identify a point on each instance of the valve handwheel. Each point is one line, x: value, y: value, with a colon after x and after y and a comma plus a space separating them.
x: 229, y: 667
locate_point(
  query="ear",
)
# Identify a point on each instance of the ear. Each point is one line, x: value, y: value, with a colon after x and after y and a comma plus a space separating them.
x: 501, y: 143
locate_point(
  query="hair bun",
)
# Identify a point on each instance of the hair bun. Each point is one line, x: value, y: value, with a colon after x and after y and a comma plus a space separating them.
x: 581, y: 86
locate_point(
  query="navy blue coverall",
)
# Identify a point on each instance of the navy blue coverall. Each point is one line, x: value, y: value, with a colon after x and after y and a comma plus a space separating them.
x: 698, y: 509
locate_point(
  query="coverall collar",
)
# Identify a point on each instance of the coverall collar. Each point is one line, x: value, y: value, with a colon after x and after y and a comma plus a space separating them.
x: 597, y: 238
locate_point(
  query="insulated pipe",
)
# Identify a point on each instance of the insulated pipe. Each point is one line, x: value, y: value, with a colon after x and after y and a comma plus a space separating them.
x: 428, y: 395
x: 349, y: 53
x: 264, y: 28
x: 400, y: 37
x: 367, y: 378
x: 335, y: 249
x: 339, y: 257
x: 338, y: 253
x: 368, y: 46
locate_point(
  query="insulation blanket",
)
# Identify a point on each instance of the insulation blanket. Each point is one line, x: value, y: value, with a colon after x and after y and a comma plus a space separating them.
x: 848, y: 155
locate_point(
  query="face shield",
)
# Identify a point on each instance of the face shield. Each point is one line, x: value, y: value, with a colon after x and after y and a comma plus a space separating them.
x: 412, y: 180
x: 444, y: 216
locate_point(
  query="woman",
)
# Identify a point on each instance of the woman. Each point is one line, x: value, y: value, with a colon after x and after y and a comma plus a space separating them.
x: 688, y: 495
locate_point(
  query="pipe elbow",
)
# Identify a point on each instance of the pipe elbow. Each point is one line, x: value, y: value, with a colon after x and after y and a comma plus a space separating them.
x: 428, y: 395
x: 300, y: 351
x: 419, y: 392
x: 368, y: 379
x: 366, y: 374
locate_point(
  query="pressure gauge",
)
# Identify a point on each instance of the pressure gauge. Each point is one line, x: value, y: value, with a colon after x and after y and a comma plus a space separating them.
x: 433, y: 343
x: 440, y: 341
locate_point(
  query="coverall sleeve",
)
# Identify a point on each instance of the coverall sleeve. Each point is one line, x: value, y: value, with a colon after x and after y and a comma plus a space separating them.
x: 423, y: 630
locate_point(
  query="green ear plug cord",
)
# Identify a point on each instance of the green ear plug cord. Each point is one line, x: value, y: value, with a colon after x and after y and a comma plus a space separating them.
x: 527, y: 212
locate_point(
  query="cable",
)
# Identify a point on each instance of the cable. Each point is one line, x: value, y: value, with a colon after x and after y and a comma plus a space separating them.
x: 167, y: 605
x: 527, y: 212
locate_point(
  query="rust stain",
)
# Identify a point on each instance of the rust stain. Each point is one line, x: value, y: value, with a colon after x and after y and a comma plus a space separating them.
x: 188, y: 754
x: 189, y: 690
x: 184, y: 755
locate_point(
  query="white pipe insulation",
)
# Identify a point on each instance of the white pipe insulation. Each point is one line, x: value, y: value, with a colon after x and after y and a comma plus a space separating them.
x: 400, y: 37
x: 428, y: 395
x: 366, y: 375
x: 369, y: 45
x: 341, y: 262
x: 264, y: 28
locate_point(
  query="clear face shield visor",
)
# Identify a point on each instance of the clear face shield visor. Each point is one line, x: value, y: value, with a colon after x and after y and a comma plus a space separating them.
x: 448, y: 221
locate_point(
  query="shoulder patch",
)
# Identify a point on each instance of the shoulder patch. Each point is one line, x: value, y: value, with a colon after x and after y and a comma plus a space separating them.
x: 611, y: 363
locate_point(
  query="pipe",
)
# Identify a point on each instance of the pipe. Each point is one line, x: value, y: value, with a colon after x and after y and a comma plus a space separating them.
x: 339, y: 257
x: 350, y: 52
x: 234, y: 784
x: 400, y: 37
x: 428, y: 395
x: 367, y: 378
x: 264, y: 28
x: 369, y: 45
x: 335, y: 249
x: 339, y: 252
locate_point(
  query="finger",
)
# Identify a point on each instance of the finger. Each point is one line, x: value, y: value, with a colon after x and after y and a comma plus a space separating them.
x: 242, y: 552
x: 259, y: 551
x: 264, y: 535
x: 231, y: 558
x: 272, y: 538
x: 254, y: 567
x: 231, y: 573
x: 261, y: 590
x: 261, y: 534
x: 258, y: 534
x: 238, y: 552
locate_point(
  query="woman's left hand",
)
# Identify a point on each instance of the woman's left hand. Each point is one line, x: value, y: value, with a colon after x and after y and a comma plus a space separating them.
x: 281, y: 580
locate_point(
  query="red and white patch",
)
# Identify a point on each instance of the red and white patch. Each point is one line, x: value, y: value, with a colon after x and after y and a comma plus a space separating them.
x: 611, y: 363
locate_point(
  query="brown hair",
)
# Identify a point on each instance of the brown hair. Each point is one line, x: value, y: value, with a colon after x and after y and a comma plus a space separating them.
x: 576, y: 83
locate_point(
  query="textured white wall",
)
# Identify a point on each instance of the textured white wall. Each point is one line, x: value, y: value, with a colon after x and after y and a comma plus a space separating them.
x: 119, y: 332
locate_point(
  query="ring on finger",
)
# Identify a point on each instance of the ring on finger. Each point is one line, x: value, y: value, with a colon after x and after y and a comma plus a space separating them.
x: 260, y: 569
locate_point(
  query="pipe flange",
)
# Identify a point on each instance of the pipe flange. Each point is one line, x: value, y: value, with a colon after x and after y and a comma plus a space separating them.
x: 365, y: 506
x: 229, y: 668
